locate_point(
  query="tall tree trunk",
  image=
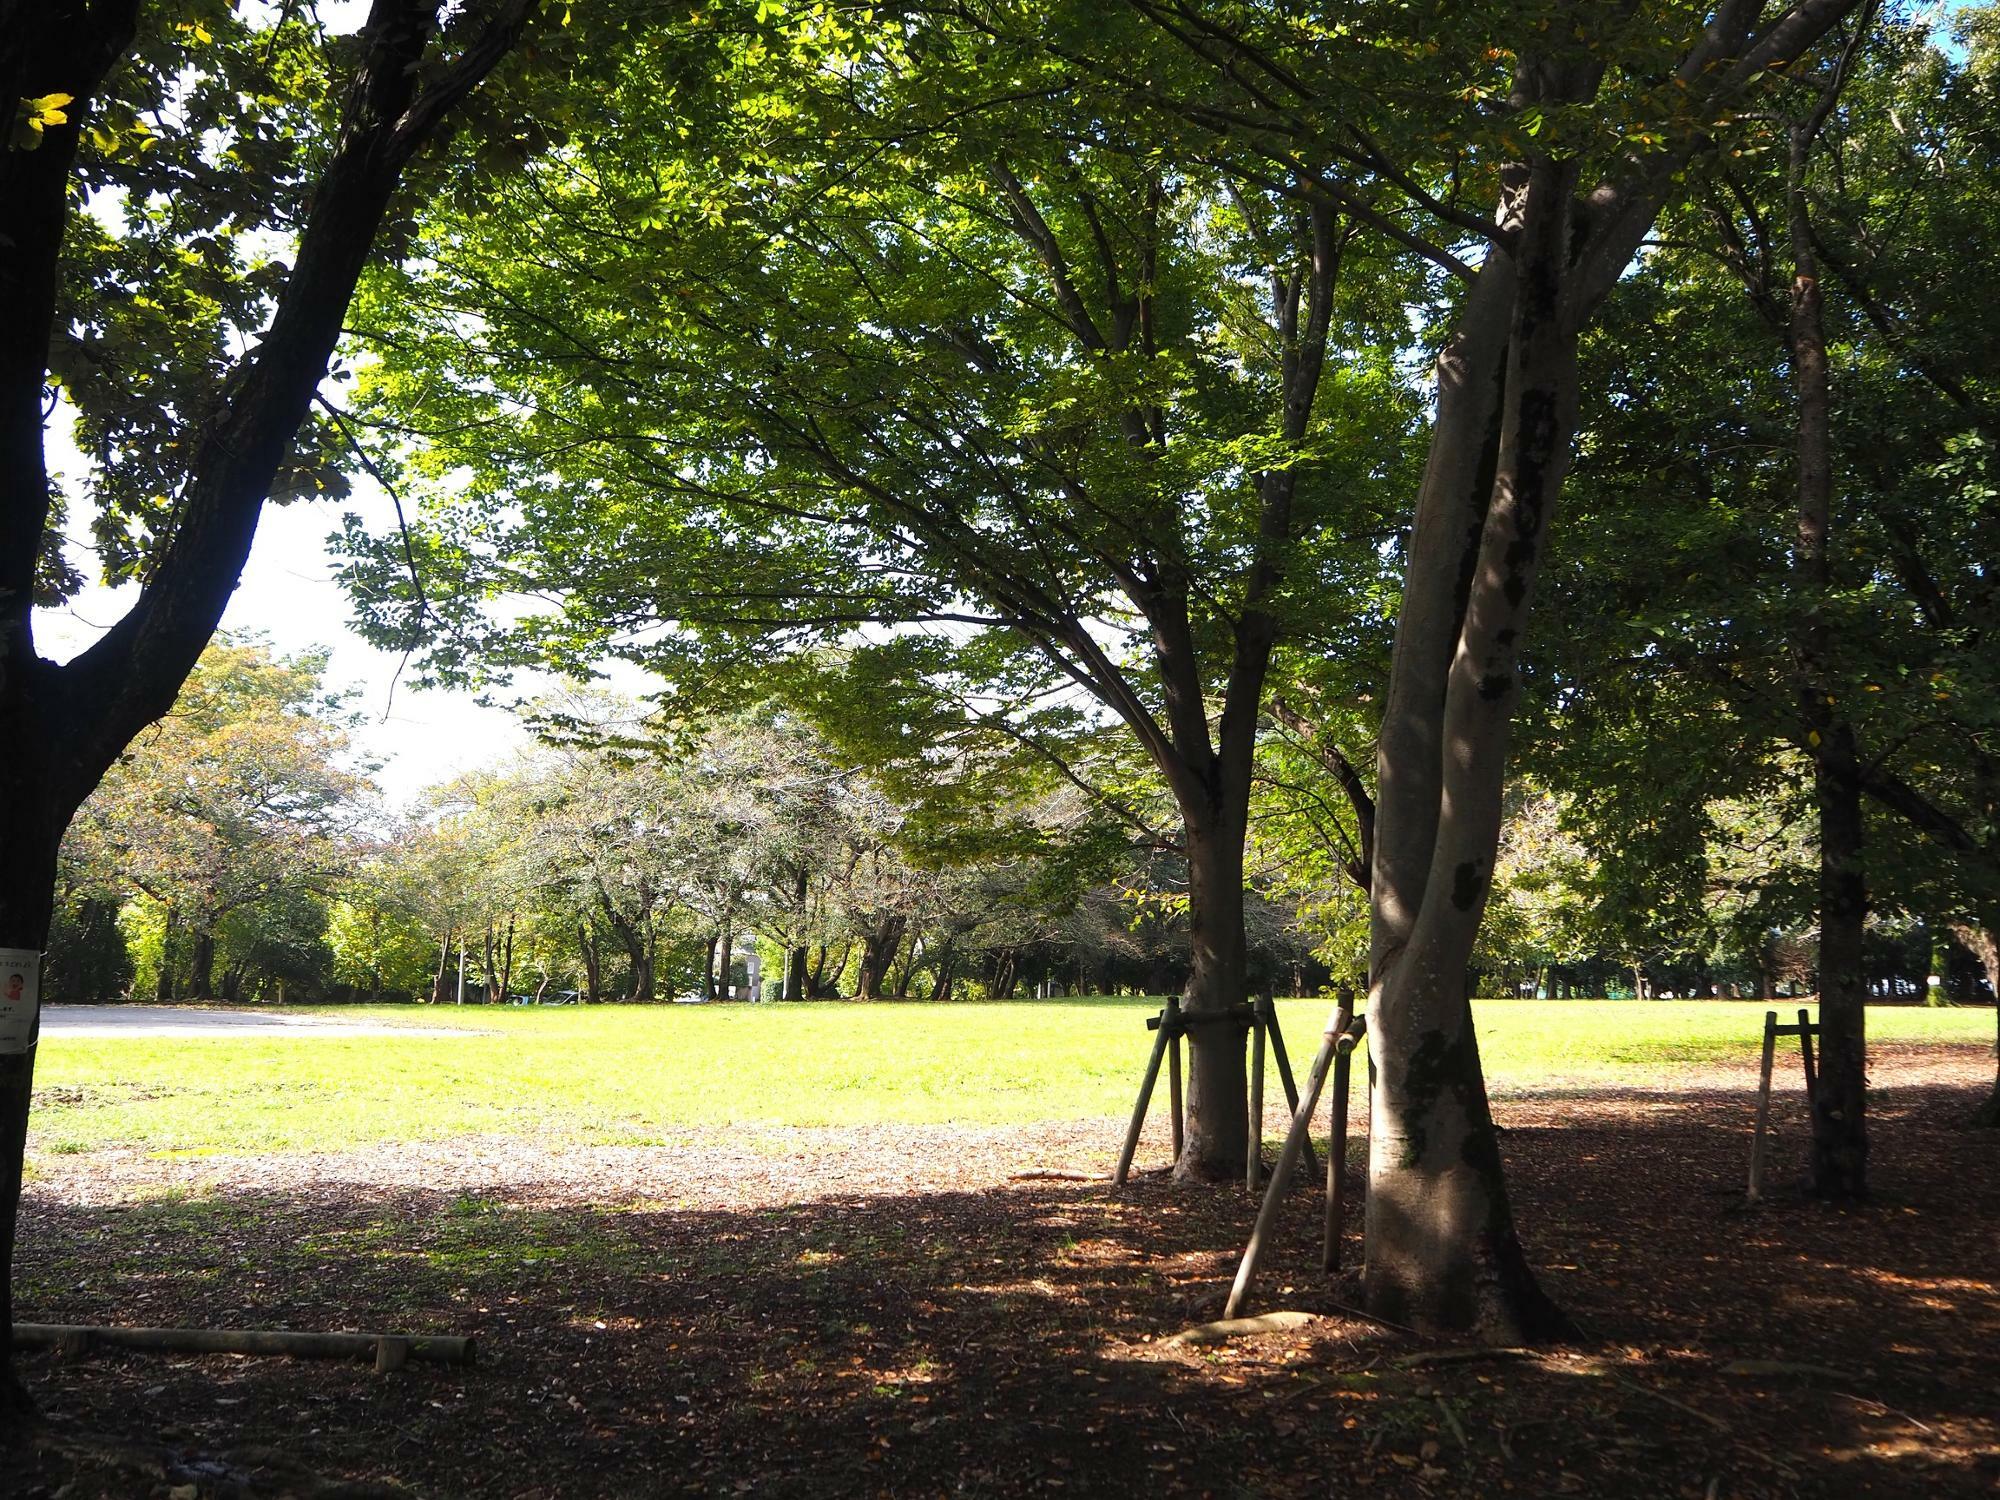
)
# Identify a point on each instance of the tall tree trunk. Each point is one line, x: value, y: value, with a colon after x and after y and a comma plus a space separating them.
x: 878, y: 951
x: 1442, y: 1251
x: 708, y: 967
x: 31, y: 835
x: 794, y: 987
x: 443, y: 968
x: 1840, y: 1098
x: 1441, y: 1247
x: 725, y: 953
x: 201, y: 965
x: 593, y: 965
x: 163, y: 982
x: 506, y: 962
x: 906, y: 969
x: 1217, y: 1090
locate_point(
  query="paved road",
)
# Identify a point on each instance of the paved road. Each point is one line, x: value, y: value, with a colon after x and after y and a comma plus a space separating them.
x: 195, y: 1020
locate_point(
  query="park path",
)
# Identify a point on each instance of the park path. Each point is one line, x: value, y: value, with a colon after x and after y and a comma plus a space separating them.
x: 211, y: 1021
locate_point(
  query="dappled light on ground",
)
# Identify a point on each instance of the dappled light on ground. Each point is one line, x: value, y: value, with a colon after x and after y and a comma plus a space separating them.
x: 891, y: 1310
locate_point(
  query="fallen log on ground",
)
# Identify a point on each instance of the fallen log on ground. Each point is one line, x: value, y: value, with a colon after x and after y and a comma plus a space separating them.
x: 388, y: 1350
x: 1236, y: 1328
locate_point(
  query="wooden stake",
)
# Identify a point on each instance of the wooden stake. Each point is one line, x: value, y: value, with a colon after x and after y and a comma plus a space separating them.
x: 1284, y: 1062
x: 1253, y: 1163
x: 1763, y: 1107
x: 1132, y: 1131
x: 1336, y: 1155
x: 1806, y: 1051
x: 1174, y: 1085
x: 1288, y: 1158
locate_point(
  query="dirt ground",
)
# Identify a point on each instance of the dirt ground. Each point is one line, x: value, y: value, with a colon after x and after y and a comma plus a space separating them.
x: 896, y: 1311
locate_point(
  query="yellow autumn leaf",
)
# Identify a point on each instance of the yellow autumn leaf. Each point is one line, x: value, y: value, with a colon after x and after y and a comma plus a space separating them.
x: 47, y: 111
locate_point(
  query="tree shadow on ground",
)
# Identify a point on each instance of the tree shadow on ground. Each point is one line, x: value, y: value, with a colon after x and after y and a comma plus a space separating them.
x: 1011, y: 1340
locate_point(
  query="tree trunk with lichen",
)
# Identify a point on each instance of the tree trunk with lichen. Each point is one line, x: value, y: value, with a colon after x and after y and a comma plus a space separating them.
x: 1442, y: 1251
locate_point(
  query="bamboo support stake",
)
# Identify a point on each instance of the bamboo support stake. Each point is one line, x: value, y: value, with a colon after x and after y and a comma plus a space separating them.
x: 1288, y: 1158
x: 1336, y: 1148
x: 1763, y: 1106
x: 1254, y: 1157
x: 1131, y: 1146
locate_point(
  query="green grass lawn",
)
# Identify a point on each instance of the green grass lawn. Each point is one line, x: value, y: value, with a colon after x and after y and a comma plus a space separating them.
x: 629, y: 1075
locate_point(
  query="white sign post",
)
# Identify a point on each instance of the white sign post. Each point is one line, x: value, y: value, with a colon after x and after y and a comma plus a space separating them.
x: 20, y: 999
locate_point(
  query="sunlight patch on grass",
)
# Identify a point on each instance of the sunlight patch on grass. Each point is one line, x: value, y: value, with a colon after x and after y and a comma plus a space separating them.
x: 632, y: 1076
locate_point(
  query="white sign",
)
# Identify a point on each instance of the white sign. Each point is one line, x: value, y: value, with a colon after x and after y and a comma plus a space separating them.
x: 20, y: 998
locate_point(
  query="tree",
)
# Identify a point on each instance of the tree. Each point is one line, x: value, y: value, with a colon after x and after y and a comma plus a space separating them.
x: 972, y: 357
x: 1587, y: 128
x: 73, y: 73
x: 1880, y: 600
x: 236, y: 797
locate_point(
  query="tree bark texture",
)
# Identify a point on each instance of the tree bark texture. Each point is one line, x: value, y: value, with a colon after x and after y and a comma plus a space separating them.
x: 1442, y: 1251
x: 878, y: 951
x: 1217, y: 1088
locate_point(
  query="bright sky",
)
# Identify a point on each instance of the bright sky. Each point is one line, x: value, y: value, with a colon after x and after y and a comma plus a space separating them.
x: 288, y: 594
